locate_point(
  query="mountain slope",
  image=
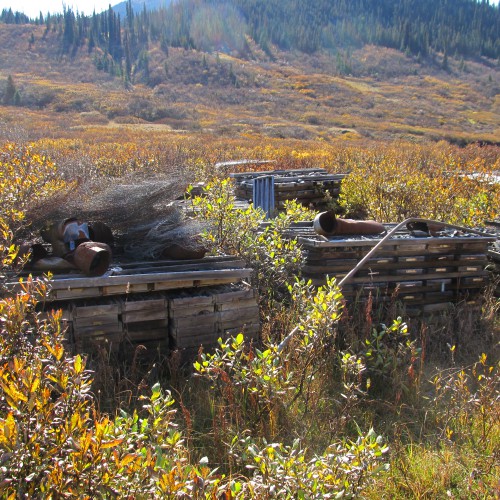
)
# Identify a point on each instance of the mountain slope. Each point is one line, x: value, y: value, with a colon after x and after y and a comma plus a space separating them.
x: 128, y: 75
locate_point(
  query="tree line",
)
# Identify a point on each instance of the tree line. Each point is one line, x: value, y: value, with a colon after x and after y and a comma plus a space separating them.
x: 460, y: 28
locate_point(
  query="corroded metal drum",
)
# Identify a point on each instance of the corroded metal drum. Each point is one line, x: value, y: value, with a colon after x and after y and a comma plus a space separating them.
x: 92, y: 258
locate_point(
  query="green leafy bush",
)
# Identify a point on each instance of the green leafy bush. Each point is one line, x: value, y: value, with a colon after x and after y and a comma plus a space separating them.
x: 245, y: 233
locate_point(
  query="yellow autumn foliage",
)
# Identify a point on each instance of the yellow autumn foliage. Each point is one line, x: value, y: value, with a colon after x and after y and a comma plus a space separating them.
x: 393, y: 183
x: 26, y: 179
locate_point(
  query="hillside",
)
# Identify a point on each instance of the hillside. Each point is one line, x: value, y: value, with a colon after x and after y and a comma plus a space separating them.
x: 371, y: 92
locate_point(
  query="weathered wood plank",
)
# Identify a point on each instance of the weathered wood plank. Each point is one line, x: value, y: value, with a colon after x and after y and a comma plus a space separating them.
x: 236, y: 305
x: 146, y: 335
x: 89, y: 311
x: 200, y: 320
x: 193, y: 337
x: 236, y: 295
x: 231, y: 261
x: 97, y: 330
x: 129, y: 280
x: 243, y: 314
x: 382, y: 280
x: 96, y: 321
x: 144, y: 305
x: 473, y: 243
x: 145, y: 315
x: 183, y: 302
x: 74, y: 293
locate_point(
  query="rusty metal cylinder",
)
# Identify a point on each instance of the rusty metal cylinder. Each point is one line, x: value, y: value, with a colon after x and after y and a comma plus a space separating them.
x: 327, y: 224
x: 92, y: 258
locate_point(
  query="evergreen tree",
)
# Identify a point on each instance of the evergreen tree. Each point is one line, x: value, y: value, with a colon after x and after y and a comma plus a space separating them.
x: 10, y: 91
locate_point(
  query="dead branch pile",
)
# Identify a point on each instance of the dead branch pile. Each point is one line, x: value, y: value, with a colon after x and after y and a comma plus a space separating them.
x: 140, y: 211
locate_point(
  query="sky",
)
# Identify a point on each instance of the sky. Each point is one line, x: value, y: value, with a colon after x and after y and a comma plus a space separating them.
x: 32, y: 8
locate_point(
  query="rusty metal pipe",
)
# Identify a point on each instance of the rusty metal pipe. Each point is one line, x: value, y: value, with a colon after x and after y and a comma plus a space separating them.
x: 327, y: 224
x: 430, y: 223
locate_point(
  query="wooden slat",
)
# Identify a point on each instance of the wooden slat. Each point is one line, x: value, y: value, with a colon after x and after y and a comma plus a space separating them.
x: 199, y: 321
x: 434, y: 243
x: 89, y: 311
x: 185, y: 302
x: 97, y: 331
x: 176, y: 266
x: 193, y: 263
x: 78, y: 283
x: 147, y: 334
x: 431, y: 276
x: 236, y: 295
x: 236, y: 305
x: 249, y: 313
x: 143, y: 305
x: 145, y: 315
x: 96, y: 321
x: 333, y: 188
x: 183, y: 342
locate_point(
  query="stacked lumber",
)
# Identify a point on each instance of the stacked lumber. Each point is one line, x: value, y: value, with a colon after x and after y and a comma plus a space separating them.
x: 307, y: 186
x: 426, y: 274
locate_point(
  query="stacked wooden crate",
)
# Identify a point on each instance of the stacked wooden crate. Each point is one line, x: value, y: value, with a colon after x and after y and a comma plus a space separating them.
x: 236, y: 309
x: 161, y: 305
x: 313, y: 186
x: 204, y: 317
x: 426, y: 274
x: 92, y: 323
x: 494, y: 256
x: 145, y: 322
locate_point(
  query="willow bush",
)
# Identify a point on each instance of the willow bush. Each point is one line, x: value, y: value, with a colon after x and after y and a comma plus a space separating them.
x: 393, y: 183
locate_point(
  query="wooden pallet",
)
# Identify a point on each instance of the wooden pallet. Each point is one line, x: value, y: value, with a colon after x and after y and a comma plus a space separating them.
x: 161, y: 305
x: 423, y: 273
x: 144, y: 277
x: 307, y: 186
